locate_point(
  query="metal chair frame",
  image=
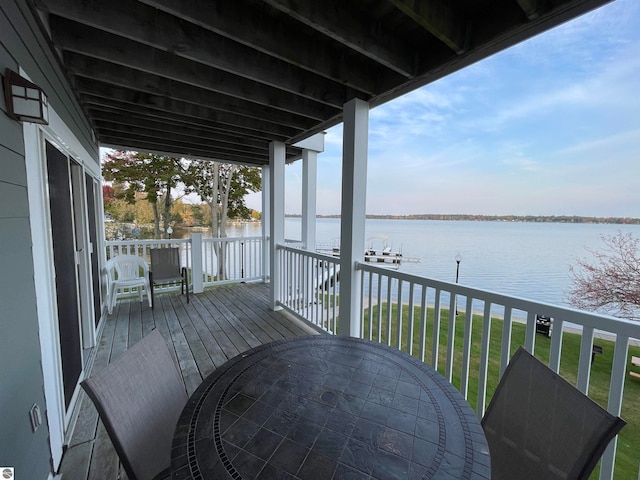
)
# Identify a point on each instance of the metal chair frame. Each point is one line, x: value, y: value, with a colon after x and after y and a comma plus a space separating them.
x: 165, y: 269
x: 538, y: 425
x: 139, y: 397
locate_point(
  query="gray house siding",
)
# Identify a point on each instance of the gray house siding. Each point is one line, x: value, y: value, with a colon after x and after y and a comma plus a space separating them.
x: 22, y: 382
x: 21, y: 378
x: 26, y: 44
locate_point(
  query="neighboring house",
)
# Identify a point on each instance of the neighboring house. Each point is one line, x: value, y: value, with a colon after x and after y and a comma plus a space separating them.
x: 51, y: 229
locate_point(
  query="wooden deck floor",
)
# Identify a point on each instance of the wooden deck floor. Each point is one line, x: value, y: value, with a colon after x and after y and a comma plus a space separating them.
x: 215, y: 326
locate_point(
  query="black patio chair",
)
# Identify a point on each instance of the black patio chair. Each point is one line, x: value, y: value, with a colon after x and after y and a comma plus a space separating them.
x: 165, y: 268
x: 539, y: 426
x: 139, y: 398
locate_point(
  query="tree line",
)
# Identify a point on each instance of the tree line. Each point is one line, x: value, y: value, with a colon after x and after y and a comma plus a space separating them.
x: 143, y: 187
x: 503, y: 218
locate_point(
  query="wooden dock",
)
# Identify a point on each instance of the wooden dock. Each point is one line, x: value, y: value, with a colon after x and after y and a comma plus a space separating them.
x: 214, y: 327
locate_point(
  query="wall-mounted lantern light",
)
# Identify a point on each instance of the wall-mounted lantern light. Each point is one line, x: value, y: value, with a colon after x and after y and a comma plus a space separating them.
x: 25, y: 101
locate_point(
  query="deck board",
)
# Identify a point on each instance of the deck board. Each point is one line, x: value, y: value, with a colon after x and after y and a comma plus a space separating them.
x: 260, y: 329
x: 203, y: 334
x: 225, y: 343
x: 76, y: 461
x: 104, y: 461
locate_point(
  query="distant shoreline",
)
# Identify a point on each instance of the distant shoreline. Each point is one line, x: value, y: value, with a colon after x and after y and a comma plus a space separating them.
x: 500, y: 218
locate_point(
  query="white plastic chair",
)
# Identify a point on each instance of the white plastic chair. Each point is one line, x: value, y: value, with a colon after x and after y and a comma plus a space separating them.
x: 127, y: 271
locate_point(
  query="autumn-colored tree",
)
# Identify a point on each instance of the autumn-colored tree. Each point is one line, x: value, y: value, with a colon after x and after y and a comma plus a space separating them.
x: 243, y: 182
x: 201, y: 214
x: 223, y: 187
x: 115, y: 205
x: 143, y: 209
x: 108, y: 195
x: 610, y: 281
x: 121, y: 211
x: 154, y: 175
x: 183, y: 213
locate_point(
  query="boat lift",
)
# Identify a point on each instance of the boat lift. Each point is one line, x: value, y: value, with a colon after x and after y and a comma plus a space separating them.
x: 377, y: 251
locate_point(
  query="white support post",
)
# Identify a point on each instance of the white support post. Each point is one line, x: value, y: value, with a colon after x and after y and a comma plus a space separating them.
x: 266, y: 223
x: 614, y: 406
x: 352, y: 223
x: 311, y: 146
x: 309, y: 188
x: 196, y: 263
x: 276, y: 220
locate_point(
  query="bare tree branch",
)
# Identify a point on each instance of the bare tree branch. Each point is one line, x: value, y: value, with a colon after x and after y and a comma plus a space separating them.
x: 610, y: 281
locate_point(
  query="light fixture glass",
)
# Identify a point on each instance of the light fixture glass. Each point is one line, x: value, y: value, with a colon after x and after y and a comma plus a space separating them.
x: 25, y: 101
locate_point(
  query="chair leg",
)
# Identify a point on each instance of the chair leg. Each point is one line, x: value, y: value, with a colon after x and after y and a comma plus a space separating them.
x: 152, y: 299
x: 111, y: 302
x: 184, y: 282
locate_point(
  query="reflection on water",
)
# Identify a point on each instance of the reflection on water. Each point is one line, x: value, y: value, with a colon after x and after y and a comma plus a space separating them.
x: 529, y: 260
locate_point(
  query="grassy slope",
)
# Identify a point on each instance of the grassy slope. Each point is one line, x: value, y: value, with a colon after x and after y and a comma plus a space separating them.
x: 629, y: 439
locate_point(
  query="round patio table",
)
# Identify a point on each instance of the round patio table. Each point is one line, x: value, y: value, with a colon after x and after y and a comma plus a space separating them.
x: 328, y: 407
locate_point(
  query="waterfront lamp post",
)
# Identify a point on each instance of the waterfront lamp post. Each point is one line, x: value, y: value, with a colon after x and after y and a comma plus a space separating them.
x: 458, y: 260
x: 169, y: 232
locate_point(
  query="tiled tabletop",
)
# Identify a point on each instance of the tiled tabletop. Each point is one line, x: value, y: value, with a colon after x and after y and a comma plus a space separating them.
x: 328, y: 407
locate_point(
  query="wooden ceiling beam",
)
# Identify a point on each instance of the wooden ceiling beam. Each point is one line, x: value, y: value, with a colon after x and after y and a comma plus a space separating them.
x: 110, y: 92
x: 154, y: 131
x: 117, y: 75
x: 261, y: 28
x: 150, y: 26
x: 95, y: 105
x: 439, y: 19
x: 244, y: 144
x: 531, y: 8
x: 180, y: 137
x: 332, y: 19
x: 128, y: 142
x: 271, y: 69
x: 84, y: 40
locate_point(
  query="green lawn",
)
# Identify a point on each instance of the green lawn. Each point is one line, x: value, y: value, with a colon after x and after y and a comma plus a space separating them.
x: 628, y: 454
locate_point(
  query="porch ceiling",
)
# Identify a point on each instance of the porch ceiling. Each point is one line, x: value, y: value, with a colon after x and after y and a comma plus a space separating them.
x: 222, y: 79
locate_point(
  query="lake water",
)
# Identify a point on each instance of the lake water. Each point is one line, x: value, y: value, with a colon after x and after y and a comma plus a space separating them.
x: 529, y: 260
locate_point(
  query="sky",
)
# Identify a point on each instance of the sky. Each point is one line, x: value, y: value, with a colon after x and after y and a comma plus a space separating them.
x: 548, y: 127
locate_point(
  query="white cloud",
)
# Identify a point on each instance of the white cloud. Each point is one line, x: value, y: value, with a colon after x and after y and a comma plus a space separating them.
x: 333, y: 137
x: 625, y: 141
x: 522, y: 163
x: 548, y: 127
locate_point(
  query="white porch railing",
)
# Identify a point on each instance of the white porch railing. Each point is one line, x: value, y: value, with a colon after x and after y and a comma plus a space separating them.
x: 421, y: 316
x: 210, y: 261
x: 308, y: 286
x: 231, y: 260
